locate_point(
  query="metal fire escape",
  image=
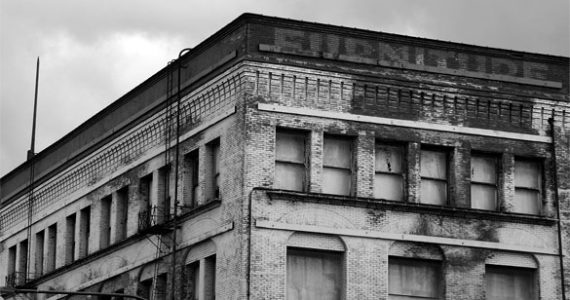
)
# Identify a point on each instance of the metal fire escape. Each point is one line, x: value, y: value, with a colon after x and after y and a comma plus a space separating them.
x: 156, y: 220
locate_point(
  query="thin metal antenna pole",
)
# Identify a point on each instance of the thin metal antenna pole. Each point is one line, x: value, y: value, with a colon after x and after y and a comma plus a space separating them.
x: 32, y: 152
x: 31, y: 159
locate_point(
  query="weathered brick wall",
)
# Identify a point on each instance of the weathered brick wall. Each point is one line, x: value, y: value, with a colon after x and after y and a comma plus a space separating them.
x: 122, y: 163
x: 366, y: 257
x: 562, y: 149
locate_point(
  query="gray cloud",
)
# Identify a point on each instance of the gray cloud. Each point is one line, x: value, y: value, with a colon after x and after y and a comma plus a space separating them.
x: 95, y: 51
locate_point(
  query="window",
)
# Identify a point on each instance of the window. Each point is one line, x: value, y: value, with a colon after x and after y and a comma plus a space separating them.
x: 528, y: 186
x: 12, y: 260
x: 23, y: 261
x: 389, y: 174
x: 145, y: 192
x: 337, y: 166
x: 163, y: 194
x: 213, y: 149
x: 202, y: 285
x: 105, y: 223
x: 145, y: 288
x: 433, y: 172
x: 84, y: 231
x: 290, y: 158
x: 193, y: 181
x: 314, y: 275
x: 122, y: 214
x: 413, y: 279
x: 160, y: 288
x: 39, y: 258
x: 483, y: 182
x: 193, y: 289
x: 209, y: 264
x: 510, y: 283
x: 51, y: 248
x: 70, y: 239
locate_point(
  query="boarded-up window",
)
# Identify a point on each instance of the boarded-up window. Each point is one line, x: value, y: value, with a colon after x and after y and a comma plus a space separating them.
x: 528, y: 186
x: 337, y: 165
x: 413, y: 279
x: 314, y: 275
x: 510, y: 283
x: 483, y: 182
x: 388, y: 177
x: 290, y: 161
x: 433, y: 170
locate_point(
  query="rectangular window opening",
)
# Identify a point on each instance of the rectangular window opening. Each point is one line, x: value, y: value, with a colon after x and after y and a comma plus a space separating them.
x: 160, y: 287
x: 11, y: 264
x: 484, y: 181
x: 145, y: 289
x: 528, y: 186
x: 164, y: 194
x: 145, y: 192
x: 337, y: 165
x: 84, y: 231
x: 434, y: 177
x: 51, y: 248
x: 410, y: 278
x: 213, y: 149
x: 314, y: 274
x: 122, y: 214
x: 22, y: 272
x: 389, y: 172
x: 105, y: 223
x: 39, y: 258
x: 70, y: 239
x: 291, y: 160
x: 192, y: 187
x: 503, y: 282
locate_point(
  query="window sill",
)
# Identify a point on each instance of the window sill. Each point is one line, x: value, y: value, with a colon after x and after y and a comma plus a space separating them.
x: 456, y: 212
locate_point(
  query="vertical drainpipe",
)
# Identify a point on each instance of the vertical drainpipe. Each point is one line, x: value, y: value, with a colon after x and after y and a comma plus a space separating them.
x: 556, y: 200
x: 176, y: 167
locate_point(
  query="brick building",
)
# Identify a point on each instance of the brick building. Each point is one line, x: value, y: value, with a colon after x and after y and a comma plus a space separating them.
x: 308, y: 161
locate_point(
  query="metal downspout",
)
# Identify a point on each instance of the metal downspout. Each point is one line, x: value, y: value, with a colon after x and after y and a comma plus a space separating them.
x: 556, y: 200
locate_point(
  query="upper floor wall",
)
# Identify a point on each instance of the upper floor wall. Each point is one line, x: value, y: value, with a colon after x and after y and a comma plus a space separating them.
x: 501, y: 83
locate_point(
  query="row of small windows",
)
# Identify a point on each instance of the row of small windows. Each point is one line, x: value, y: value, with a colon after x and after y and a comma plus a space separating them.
x: 113, y: 214
x: 316, y: 274
x: 391, y: 174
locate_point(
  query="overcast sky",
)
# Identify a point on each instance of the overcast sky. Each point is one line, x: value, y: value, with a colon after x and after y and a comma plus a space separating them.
x: 93, y: 52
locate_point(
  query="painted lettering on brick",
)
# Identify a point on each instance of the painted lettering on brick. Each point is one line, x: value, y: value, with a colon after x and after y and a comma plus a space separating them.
x: 363, y: 50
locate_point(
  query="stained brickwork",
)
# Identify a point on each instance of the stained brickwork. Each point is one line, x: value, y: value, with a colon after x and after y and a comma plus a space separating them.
x: 150, y: 135
x: 234, y: 231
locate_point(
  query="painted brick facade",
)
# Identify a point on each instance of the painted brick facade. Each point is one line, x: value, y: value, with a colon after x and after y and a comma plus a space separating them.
x: 234, y: 232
